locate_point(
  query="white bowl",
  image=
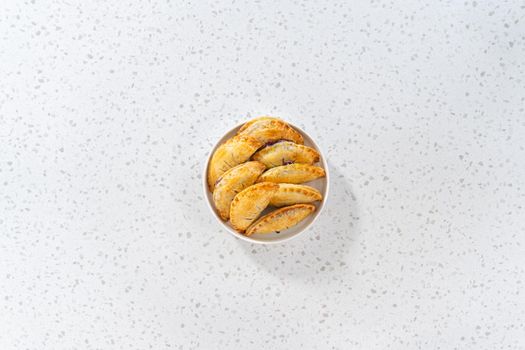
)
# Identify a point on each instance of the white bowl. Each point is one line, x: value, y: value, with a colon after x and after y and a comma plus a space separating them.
x: 321, y: 184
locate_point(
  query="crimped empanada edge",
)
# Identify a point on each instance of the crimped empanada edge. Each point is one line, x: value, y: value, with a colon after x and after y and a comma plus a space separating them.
x: 299, y: 139
x: 265, y: 149
x: 277, y: 212
x: 219, y: 183
x: 314, y: 168
x: 256, y: 120
x: 307, y: 191
x: 253, y: 143
x: 260, y: 186
x: 229, y: 171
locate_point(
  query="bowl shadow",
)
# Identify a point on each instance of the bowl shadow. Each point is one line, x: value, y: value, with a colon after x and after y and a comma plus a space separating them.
x: 322, y: 251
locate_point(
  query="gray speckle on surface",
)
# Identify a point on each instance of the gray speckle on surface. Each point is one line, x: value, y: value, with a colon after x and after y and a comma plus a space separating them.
x: 108, y: 110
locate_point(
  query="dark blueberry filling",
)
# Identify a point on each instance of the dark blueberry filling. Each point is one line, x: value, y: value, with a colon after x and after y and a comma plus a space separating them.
x: 273, y: 142
x: 267, y: 144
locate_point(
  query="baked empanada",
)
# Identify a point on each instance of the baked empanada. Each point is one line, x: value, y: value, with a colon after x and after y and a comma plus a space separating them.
x: 268, y: 130
x: 289, y: 194
x: 233, y: 152
x: 292, y: 173
x: 281, y: 219
x: 249, y: 203
x: 286, y: 152
x: 232, y: 182
x: 255, y: 120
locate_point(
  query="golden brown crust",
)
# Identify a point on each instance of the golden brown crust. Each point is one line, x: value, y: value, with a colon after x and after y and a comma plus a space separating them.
x: 289, y: 194
x: 232, y: 182
x: 233, y: 152
x: 286, y: 152
x: 255, y: 120
x: 281, y: 219
x: 249, y: 203
x: 267, y: 129
x: 292, y: 173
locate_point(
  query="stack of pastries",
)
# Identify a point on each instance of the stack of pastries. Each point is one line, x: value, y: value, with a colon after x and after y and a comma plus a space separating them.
x: 263, y: 165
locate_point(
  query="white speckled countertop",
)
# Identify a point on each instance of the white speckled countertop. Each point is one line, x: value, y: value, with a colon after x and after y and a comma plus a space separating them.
x: 107, y: 111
